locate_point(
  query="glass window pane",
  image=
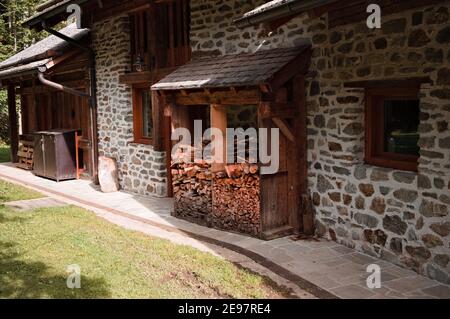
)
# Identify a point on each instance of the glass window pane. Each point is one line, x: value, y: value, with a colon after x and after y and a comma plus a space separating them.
x: 401, y: 122
x: 147, y: 120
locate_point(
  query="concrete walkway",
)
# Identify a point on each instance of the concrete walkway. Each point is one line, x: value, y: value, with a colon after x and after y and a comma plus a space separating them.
x: 322, y: 268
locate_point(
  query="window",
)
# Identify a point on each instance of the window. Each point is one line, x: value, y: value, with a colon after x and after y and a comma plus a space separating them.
x: 392, y: 122
x: 142, y: 114
x: 160, y: 36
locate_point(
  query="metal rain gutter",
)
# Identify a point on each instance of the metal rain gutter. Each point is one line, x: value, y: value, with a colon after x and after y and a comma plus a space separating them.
x: 278, y: 12
x: 58, y: 86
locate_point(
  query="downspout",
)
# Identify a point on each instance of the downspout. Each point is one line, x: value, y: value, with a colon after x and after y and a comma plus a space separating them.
x: 58, y: 86
x: 92, y: 93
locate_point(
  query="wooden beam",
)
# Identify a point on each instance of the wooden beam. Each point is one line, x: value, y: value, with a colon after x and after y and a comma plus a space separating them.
x: 168, y: 150
x: 40, y: 89
x: 13, y: 125
x: 388, y: 83
x: 146, y: 76
x: 158, y: 122
x: 116, y: 7
x: 284, y: 128
x: 219, y: 121
x: 299, y: 65
x: 276, y: 109
x: 245, y: 97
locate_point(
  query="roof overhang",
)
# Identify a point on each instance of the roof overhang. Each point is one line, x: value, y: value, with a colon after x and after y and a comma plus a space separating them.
x: 51, y: 15
x: 273, y: 67
x: 21, y: 70
x: 278, y: 9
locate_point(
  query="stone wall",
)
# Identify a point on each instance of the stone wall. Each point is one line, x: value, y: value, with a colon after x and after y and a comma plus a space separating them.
x: 141, y: 169
x: 399, y: 216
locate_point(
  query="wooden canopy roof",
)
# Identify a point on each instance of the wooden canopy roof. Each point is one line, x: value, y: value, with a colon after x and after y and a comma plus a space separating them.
x: 40, y: 54
x: 246, y: 69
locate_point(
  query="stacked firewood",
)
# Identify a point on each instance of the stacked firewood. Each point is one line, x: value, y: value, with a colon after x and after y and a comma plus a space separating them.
x: 236, y: 199
x: 192, y: 188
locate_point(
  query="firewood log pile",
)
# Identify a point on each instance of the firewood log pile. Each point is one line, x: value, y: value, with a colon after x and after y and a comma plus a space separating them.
x: 227, y: 200
x: 236, y: 199
x: 192, y: 188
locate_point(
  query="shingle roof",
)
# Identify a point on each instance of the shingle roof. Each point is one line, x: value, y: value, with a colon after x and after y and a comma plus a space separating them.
x: 23, y: 68
x: 246, y: 69
x: 35, y: 52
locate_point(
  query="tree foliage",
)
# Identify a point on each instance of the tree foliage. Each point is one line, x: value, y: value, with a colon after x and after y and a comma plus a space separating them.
x: 14, y: 38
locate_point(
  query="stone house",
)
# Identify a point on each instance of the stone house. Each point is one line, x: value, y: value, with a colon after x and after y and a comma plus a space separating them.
x: 364, y: 113
x: 393, y: 207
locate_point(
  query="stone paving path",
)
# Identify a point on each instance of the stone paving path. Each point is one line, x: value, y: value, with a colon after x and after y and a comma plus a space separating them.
x: 323, y: 268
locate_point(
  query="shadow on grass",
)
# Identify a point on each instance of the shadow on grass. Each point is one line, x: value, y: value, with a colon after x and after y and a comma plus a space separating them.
x: 22, y: 279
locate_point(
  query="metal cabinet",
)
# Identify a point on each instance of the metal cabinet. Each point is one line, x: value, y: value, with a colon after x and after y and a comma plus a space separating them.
x: 55, y: 154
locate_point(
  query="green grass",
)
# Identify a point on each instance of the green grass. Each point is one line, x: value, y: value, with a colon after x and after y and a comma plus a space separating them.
x: 4, y: 154
x: 37, y: 246
x: 11, y: 192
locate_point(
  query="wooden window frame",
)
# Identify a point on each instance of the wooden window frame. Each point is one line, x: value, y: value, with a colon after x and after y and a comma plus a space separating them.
x: 374, y: 139
x: 139, y: 137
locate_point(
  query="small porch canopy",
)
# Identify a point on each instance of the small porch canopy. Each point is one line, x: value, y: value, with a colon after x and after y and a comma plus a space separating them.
x: 272, y: 81
x: 265, y: 67
x: 241, y: 79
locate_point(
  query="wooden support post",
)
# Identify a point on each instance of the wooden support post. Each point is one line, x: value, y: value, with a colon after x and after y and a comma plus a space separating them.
x: 168, y: 149
x: 158, y: 122
x: 13, y: 125
x: 219, y: 121
x: 306, y: 220
x: 284, y: 128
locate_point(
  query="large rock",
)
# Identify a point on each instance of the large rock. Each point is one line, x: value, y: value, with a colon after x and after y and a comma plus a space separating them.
x: 430, y: 209
x: 378, y: 205
x: 405, y: 195
x: 366, y: 220
x: 367, y: 189
x: 420, y: 253
x: 323, y: 185
x: 442, y: 229
x: 395, y: 225
x: 418, y: 38
x: 375, y: 236
x: 396, y: 245
x: 107, y: 174
x: 432, y: 241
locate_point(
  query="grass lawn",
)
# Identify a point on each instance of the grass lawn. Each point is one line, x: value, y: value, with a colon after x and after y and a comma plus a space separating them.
x: 37, y: 246
x: 11, y: 192
x: 4, y: 154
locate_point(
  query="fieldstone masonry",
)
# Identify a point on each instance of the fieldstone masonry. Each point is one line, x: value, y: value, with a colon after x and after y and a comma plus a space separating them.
x: 141, y: 169
x: 399, y: 216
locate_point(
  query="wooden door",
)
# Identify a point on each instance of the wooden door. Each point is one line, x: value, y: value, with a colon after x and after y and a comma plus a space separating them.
x: 278, y: 193
x: 284, y: 197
